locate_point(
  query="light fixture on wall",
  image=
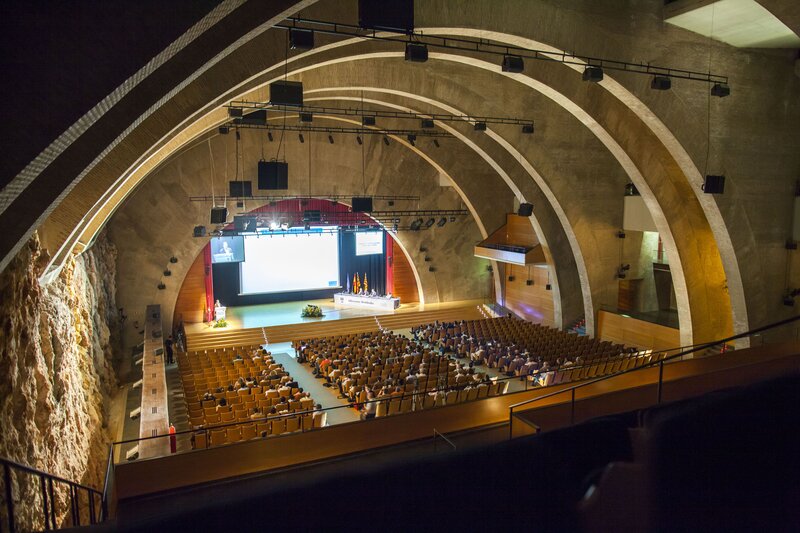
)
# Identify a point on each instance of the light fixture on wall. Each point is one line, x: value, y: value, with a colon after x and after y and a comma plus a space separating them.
x: 661, y: 83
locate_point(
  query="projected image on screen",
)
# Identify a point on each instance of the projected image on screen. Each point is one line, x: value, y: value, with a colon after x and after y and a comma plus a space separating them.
x: 227, y: 249
x: 369, y: 242
x: 295, y: 262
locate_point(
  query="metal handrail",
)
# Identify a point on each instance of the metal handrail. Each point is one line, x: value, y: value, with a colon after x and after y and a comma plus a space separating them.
x: 437, y: 433
x: 651, y: 364
x: 48, y: 496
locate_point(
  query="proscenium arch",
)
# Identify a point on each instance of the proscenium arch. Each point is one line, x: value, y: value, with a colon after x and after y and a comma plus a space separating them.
x: 557, y: 318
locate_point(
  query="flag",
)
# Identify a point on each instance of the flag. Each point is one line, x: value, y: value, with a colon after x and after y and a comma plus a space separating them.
x: 348, y: 283
x: 356, y: 288
x: 366, y: 286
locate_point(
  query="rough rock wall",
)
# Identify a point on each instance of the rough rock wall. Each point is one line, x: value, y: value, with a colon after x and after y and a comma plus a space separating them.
x: 57, y: 343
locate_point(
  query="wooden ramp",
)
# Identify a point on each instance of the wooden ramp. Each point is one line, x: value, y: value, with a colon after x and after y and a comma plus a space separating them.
x: 324, y: 328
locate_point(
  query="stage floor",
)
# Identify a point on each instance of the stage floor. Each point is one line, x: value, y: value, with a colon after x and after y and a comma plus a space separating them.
x: 258, y: 316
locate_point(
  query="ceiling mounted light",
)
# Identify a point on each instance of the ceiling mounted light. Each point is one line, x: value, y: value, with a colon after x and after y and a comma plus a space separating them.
x: 330, y: 139
x: 721, y: 90
x: 367, y: 120
x: 661, y: 83
x: 513, y: 64
x: 431, y: 221
x: 306, y: 117
x: 442, y: 222
x: 527, y: 128
x: 386, y: 140
x: 300, y: 39
x: 480, y: 126
x: 269, y: 136
x: 436, y: 143
x: 416, y: 225
x: 359, y: 140
x: 223, y: 130
x: 593, y: 74
x: 427, y: 123
x: 416, y: 52
x: 300, y: 136
x: 411, y: 138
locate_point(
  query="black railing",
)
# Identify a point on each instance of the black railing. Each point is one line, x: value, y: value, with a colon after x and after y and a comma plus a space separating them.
x: 47, y: 492
x: 660, y: 363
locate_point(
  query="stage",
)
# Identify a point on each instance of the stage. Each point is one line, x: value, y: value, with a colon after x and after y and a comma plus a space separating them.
x: 286, y: 313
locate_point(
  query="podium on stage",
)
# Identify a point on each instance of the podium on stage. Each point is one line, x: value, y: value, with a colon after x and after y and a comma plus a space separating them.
x: 219, y: 312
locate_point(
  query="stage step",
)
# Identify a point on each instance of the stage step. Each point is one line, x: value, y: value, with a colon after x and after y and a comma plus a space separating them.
x: 324, y: 328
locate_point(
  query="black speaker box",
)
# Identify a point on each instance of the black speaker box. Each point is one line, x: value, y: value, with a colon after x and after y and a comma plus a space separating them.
x: 199, y: 231
x: 714, y: 185
x: 257, y: 118
x: 721, y: 90
x: 525, y: 210
x: 273, y: 175
x: 286, y: 93
x: 239, y: 189
x: 418, y: 53
x: 661, y: 83
x: 219, y: 215
x: 362, y: 204
x: 244, y: 223
x: 513, y: 64
x: 392, y: 15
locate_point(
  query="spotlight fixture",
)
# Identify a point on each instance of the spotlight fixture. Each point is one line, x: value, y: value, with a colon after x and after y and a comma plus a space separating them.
x: 423, y: 249
x: 442, y: 222
x: 173, y: 259
x: 430, y: 222
x: 593, y: 74
x: 431, y: 269
x: 168, y: 272
x: 358, y: 139
x: 528, y: 282
x: 330, y: 139
x: 301, y: 39
x: 161, y: 286
x: 480, y: 126
x: 394, y: 228
x: 306, y: 117
x: 269, y: 136
x: 661, y: 83
x: 513, y: 64
x: 436, y: 143
x: 527, y: 128
x: 300, y: 136
x: 416, y: 225
x: 391, y: 203
x: 720, y: 89
x: 416, y: 52
x: 620, y: 234
x: 411, y: 138
x: 224, y: 130
x: 548, y: 287
x: 427, y: 123
x: 367, y: 120
x: 386, y: 140
x: 511, y: 278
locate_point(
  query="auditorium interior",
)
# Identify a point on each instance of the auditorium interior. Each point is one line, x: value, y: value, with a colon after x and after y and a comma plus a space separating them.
x: 394, y: 264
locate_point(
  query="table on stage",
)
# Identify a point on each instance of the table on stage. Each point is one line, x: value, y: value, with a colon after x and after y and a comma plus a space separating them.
x: 369, y: 302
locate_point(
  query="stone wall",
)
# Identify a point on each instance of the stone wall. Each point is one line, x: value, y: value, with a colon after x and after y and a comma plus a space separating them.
x: 57, y: 343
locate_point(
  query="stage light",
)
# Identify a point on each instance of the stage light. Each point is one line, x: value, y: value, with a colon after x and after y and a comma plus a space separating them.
x: 593, y: 74
x: 527, y: 128
x: 430, y: 222
x: 442, y: 222
x: 427, y: 123
x: 721, y: 90
x: 480, y: 126
x: 394, y: 228
x: 367, y: 120
x: 223, y: 130
x: 330, y: 139
x: 416, y: 225
x: 513, y: 64
x: 302, y: 139
x: 269, y: 136
x: 436, y: 143
x: 411, y: 138
x: 306, y: 117
x: 307, y: 227
x: 273, y: 226
x: 661, y: 83
x: 386, y: 140
x: 358, y: 139
x: 416, y: 52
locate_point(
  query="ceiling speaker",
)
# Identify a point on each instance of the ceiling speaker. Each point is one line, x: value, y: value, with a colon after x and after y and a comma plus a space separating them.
x: 273, y: 175
x: 219, y: 215
x: 286, y: 93
x: 362, y: 204
x: 714, y: 185
x: 525, y: 210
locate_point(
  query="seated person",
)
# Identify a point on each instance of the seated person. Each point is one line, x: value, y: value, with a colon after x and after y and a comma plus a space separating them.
x: 208, y: 396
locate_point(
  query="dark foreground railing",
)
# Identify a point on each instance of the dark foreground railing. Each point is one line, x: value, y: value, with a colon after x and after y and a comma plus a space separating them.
x: 47, y: 492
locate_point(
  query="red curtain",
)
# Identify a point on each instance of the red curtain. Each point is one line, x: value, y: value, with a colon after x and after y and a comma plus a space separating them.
x: 209, y: 279
x: 389, y: 264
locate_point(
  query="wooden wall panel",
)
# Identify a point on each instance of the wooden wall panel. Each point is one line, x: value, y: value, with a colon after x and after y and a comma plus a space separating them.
x: 191, y: 300
x: 532, y: 302
x: 405, y: 284
x: 634, y: 332
x: 520, y: 231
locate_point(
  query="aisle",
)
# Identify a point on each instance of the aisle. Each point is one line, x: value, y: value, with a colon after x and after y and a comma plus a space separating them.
x: 328, y: 397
